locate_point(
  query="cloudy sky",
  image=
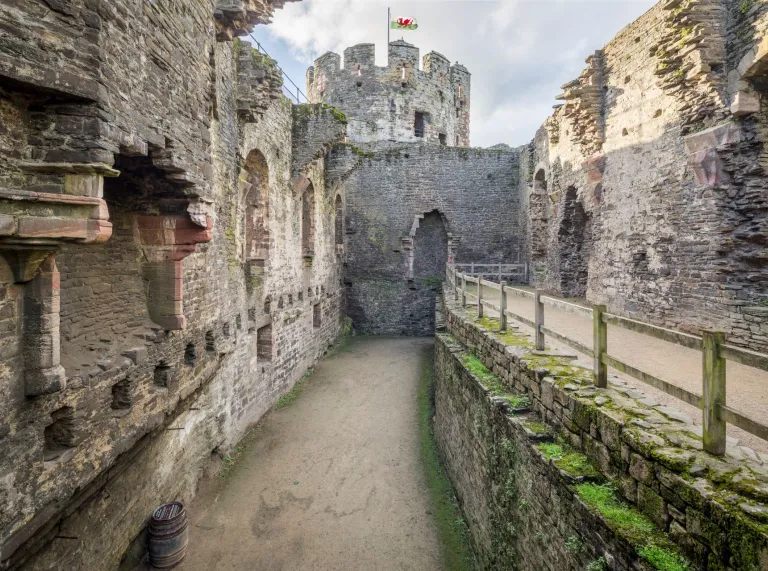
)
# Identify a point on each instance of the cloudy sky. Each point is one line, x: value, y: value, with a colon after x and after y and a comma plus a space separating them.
x: 519, y: 51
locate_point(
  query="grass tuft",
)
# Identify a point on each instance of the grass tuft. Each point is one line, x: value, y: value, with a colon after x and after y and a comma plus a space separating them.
x: 663, y: 559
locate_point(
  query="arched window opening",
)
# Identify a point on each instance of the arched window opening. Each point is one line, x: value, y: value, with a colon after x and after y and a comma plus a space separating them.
x: 256, y: 202
x: 308, y: 221
x: 575, y: 244
x: 339, y: 222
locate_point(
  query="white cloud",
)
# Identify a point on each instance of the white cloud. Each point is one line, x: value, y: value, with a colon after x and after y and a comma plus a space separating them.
x: 518, y: 51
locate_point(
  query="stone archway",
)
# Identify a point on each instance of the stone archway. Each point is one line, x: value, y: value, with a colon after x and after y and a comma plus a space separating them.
x: 574, y: 239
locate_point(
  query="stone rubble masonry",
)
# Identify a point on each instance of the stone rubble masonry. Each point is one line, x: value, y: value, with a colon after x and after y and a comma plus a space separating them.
x: 524, y: 509
x: 392, y: 189
x: 136, y: 391
x: 646, y: 189
x: 381, y: 102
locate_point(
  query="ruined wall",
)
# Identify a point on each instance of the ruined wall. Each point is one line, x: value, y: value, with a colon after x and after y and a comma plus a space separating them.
x: 381, y: 102
x: 646, y: 187
x: 143, y: 406
x: 553, y: 473
x: 473, y: 191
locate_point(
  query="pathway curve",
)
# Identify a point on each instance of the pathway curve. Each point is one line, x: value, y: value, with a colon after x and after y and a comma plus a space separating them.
x: 332, y: 482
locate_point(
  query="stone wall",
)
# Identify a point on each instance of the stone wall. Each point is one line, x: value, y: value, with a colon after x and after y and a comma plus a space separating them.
x: 553, y: 473
x: 472, y: 191
x: 382, y: 102
x: 646, y: 186
x: 142, y: 406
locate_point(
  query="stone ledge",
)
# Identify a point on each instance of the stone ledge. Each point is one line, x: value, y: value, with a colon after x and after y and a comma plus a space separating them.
x: 618, y: 428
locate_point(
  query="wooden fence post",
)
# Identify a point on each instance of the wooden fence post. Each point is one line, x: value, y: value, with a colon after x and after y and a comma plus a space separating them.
x: 479, y: 296
x: 599, y: 345
x: 503, y: 307
x: 714, y: 391
x: 472, y: 269
x: 539, y: 320
x: 455, y: 285
x: 499, y: 272
x: 463, y: 290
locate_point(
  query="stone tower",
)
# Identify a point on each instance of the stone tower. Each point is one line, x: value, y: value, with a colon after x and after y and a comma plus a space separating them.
x: 400, y: 102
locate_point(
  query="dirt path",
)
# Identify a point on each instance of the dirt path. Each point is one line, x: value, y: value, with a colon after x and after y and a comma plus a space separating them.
x: 332, y: 482
x: 746, y: 386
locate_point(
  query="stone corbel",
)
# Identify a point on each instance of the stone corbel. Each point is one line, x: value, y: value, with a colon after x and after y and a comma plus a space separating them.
x: 702, y: 149
x: 35, y: 224
x: 165, y: 241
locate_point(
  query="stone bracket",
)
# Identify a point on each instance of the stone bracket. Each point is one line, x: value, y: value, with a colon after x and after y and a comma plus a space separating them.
x: 165, y: 241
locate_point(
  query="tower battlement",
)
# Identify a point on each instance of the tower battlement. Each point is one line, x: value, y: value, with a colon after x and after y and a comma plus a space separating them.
x: 402, y: 101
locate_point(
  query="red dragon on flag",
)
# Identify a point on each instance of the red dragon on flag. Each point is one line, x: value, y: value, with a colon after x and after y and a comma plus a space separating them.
x: 404, y: 24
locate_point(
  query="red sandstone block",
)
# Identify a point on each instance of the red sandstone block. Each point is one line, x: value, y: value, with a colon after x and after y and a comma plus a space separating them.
x: 36, y: 227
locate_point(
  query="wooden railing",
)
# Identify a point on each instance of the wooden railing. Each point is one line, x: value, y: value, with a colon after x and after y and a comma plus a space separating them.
x: 715, y: 351
x: 517, y: 272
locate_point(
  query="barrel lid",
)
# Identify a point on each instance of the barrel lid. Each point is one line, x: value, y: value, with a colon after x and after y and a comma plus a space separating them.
x: 168, y: 511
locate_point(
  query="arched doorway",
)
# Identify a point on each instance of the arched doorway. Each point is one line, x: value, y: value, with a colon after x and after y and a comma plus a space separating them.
x: 430, y: 249
x: 574, y: 238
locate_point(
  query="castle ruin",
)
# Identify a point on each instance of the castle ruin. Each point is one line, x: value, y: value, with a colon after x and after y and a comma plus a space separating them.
x: 180, y: 243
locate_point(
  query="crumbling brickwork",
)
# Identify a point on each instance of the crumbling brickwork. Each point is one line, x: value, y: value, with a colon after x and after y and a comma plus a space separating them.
x: 662, y: 141
x: 126, y: 205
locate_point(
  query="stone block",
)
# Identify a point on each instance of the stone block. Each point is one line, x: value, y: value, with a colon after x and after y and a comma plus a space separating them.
x: 137, y: 354
x: 38, y: 227
x: 7, y: 225
x: 745, y: 103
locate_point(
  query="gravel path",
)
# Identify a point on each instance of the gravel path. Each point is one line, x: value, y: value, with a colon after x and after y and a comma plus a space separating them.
x: 333, y: 481
x: 747, y: 387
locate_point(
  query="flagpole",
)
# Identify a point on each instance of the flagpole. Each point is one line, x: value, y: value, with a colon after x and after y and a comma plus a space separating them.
x: 389, y: 25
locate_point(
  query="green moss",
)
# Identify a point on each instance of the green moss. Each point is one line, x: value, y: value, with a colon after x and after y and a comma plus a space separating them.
x: 569, y: 460
x: 662, y: 558
x: 633, y: 524
x: 452, y: 529
x: 488, y: 322
x: 745, y: 6
x: 518, y: 401
x: 538, y: 427
x: 338, y: 115
x: 551, y: 450
x: 479, y: 370
x: 652, y: 544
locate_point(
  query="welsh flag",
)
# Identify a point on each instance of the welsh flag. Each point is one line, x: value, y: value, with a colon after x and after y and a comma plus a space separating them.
x: 404, y: 24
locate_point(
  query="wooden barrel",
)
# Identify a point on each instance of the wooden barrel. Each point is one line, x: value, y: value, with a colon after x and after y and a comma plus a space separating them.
x: 168, y: 535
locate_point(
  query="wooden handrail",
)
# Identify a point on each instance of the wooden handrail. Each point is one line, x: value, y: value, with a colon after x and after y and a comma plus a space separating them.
x: 715, y: 412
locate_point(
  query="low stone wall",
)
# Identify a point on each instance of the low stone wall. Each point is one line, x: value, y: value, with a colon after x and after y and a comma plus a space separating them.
x: 553, y: 473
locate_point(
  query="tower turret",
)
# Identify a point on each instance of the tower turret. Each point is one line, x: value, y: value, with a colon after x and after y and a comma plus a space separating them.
x: 399, y: 102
